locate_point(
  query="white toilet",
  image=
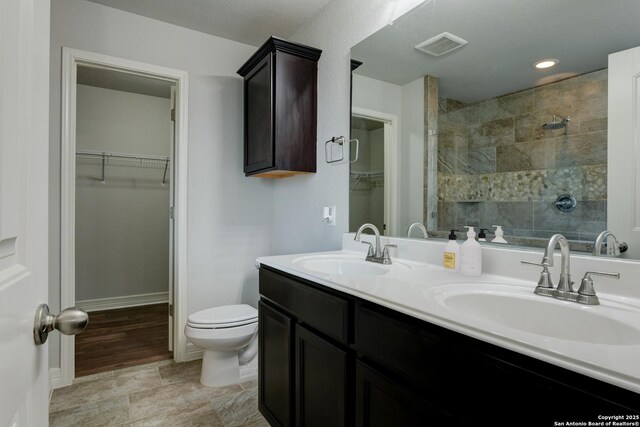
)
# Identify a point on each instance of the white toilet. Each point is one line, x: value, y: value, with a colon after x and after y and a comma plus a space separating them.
x: 229, y: 337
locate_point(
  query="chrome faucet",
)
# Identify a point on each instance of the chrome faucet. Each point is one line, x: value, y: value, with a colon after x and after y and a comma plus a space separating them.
x: 545, y: 285
x: 420, y: 227
x: 376, y: 254
x: 585, y: 295
x: 614, y: 247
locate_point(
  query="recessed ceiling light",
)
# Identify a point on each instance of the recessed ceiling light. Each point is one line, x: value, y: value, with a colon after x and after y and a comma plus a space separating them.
x: 546, y: 63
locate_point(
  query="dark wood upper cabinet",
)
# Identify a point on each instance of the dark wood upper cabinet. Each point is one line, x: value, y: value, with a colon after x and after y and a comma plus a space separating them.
x: 280, y: 109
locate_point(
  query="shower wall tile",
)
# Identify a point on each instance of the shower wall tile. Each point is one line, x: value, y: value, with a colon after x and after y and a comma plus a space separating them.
x: 452, y: 160
x: 593, y: 114
x: 594, y: 182
x: 586, y: 217
x: 583, y: 149
x: 510, y: 215
x: 593, y: 84
x: 533, y: 185
x: 550, y: 96
x: 481, y: 161
x: 473, y: 114
x: 528, y: 127
x: 562, y: 181
x: 492, y: 134
x: 457, y: 113
x: 501, y: 160
x: 452, y: 134
x: 446, y: 215
x: 506, y: 106
x: 448, y: 105
x: 526, y: 156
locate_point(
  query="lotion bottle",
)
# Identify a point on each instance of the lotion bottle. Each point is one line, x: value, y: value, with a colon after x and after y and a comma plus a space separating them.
x: 482, y: 237
x: 471, y: 255
x: 452, y: 253
x: 499, y: 235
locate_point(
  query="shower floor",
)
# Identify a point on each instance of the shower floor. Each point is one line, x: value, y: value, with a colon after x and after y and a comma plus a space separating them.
x: 122, y: 338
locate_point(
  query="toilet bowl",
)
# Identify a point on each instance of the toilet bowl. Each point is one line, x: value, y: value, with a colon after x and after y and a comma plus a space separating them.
x: 228, y: 335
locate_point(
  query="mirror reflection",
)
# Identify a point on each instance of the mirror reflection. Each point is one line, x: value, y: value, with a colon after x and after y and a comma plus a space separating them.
x: 488, y: 113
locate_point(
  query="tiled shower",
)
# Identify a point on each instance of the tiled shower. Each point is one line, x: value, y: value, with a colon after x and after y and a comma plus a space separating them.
x: 496, y: 165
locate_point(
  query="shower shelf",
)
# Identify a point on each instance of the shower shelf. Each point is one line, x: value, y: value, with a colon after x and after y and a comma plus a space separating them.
x: 106, y: 158
x: 368, y: 176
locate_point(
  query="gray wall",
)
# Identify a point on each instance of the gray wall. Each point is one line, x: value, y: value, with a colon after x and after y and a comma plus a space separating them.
x: 298, y: 201
x: 225, y: 230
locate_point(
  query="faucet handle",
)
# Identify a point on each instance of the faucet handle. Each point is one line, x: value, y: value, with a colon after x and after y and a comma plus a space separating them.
x: 586, y: 293
x: 386, y: 259
x: 539, y: 264
x: 545, y: 284
x: 586, y: 287
x: 370, y: 252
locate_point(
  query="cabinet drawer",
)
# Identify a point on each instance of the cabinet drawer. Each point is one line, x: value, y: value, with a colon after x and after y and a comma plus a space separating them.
x: 382, y: 402
x: 408, y: 348
x: 318, y: 309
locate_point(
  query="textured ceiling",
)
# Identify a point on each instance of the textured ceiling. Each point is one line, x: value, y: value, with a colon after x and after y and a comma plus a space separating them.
x: 246, y: 21
x: 505, y: 38
x: 109, y: 79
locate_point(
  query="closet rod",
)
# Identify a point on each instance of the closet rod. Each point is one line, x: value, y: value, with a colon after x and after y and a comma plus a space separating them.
x: 106, y: 155
x: 128, y: 156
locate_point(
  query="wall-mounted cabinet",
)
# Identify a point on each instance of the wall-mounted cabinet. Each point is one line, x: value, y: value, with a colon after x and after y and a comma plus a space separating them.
x: 280, y: 109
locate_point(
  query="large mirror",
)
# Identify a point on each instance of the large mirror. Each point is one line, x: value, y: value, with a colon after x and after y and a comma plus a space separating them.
x: 460, y: 123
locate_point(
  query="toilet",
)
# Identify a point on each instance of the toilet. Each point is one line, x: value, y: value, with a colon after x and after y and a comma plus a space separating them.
x: 229, y: 337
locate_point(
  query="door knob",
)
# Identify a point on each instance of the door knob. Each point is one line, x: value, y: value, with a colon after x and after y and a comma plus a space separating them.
x: 69, y: 322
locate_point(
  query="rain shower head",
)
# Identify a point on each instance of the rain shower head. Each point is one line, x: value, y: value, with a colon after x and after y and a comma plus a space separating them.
x: 556, y: 124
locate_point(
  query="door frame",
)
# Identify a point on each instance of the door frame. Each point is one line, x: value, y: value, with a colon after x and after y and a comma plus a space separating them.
x: 391, y: 165
x: 71, y: 58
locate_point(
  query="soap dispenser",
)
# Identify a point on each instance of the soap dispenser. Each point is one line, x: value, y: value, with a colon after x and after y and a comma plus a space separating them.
x: 499, y: 235
x: 482, y: 237
x: 471, y: 254
x: 452, y: 253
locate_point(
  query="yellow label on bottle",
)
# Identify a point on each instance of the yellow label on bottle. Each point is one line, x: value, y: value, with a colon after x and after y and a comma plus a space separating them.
x: 450, y: 260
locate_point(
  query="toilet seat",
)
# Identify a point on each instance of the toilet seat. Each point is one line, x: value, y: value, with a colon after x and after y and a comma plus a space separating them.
x: 228, y: 316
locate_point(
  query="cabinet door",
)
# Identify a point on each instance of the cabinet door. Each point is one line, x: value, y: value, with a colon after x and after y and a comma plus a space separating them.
x: 258, y: 123
x: 321, y: 382
x: 381, y: 402
x: 275, y: 366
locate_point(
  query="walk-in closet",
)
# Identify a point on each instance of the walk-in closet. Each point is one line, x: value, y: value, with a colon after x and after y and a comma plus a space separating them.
x: 124, y: 138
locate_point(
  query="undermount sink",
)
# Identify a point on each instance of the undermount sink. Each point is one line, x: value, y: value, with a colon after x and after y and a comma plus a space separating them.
x: 524, y: 311
x: 346, y: 266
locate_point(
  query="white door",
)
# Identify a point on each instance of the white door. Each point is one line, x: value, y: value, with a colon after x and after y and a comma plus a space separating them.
x: 24, y: 128
x: 623, y: 204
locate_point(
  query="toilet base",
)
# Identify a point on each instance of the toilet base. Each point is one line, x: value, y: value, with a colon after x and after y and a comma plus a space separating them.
x: 220, y: 368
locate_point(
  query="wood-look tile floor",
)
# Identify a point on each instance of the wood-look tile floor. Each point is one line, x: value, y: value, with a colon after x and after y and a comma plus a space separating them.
x: 158, y: 394
x: 122, y: 338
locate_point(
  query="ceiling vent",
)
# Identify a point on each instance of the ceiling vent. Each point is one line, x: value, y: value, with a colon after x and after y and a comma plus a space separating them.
x: 441, y: 44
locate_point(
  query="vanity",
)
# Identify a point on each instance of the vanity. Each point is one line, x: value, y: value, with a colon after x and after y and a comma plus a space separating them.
x: 347, y: 342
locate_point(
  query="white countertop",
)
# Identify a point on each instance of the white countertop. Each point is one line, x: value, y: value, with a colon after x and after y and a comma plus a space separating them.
x: 413, y: 291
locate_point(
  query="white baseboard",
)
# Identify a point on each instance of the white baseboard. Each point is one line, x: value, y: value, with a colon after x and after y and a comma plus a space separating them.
x: 193, y: 352
x: 55, y: 380
x: 123, y: 302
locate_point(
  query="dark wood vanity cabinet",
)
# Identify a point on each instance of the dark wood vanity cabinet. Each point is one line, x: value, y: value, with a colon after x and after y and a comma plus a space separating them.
x: 305, y: 366
x: 280, y: 109
x: 331, y: 359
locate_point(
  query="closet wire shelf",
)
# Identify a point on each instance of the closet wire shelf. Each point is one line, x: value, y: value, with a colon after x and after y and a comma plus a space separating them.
x: 370, y: 177
x: 106, y: 158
